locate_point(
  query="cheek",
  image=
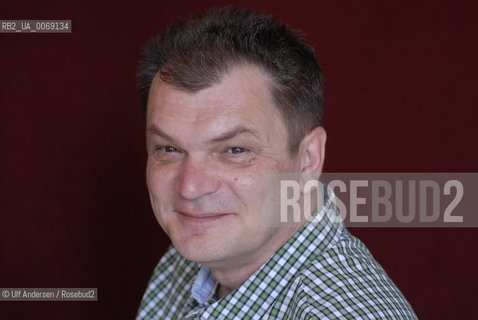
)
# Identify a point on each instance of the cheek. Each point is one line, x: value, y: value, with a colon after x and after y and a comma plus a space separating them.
x: 249, y: 189
x: 159, y: 181
x: 160, y: 194
x: 259, y: 193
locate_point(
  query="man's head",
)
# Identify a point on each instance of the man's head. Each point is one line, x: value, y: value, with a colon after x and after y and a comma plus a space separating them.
x: 197, y: 53
x: 219, y: 105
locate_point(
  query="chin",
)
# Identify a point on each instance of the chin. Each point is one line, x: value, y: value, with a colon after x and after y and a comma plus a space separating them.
x: 192, y: 248
x: 199, y: 250
x: 198, y: 255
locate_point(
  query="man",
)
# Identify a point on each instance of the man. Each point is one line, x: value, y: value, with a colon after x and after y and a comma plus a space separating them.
x: 232, y: 99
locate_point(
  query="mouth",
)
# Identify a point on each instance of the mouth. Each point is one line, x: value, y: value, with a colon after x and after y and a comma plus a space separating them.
x: 201, y: 218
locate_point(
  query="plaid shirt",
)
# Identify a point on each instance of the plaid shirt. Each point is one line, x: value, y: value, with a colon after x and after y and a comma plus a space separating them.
x: 322, y: 272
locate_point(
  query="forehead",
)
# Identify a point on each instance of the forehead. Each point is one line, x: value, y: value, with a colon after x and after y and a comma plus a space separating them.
x: 243, y: 95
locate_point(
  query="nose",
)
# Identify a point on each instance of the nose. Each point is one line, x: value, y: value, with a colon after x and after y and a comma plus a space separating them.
x: 197, y: 178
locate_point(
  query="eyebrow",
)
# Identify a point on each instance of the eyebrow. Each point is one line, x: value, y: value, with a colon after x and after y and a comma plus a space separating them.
x: 233, y: 133
x: 221, y: 138
x: 158, y: 132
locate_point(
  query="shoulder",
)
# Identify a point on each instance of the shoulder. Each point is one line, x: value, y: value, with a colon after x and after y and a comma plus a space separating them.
x: 169, y: 287
x: 345, y: 281
x: 173, y: 269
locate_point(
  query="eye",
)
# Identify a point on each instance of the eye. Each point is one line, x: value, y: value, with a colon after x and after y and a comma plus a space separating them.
x: 236, y: 150
x: 167, y: 149
x: 238, y: 155
x: 165, y: 153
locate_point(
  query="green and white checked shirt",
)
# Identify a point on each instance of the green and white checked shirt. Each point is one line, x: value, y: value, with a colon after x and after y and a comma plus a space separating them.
x: 322, y: 272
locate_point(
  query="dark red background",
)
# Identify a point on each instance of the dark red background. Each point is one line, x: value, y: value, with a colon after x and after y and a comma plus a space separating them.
x: 401, y: 81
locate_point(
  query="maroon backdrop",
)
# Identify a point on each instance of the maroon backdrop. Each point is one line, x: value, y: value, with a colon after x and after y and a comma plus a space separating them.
x: 401, y: 82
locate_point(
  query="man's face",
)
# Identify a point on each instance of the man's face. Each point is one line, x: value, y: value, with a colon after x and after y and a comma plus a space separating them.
x: 209, y: 153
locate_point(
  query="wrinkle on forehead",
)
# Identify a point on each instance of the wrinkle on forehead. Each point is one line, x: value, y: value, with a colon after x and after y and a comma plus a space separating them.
x: 254, y: 83
x: 242, y: 97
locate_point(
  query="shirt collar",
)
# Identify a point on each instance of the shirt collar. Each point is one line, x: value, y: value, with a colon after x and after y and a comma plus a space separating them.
x: 204, y: 286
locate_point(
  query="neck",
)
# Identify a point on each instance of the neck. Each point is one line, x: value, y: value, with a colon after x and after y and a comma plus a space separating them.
x: 233, y: 275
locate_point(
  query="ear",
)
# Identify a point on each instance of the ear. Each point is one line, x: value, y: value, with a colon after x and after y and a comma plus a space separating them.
x: 312, y: 152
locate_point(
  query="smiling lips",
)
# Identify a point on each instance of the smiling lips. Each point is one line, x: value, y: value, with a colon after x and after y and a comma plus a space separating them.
x: 193, y: 217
